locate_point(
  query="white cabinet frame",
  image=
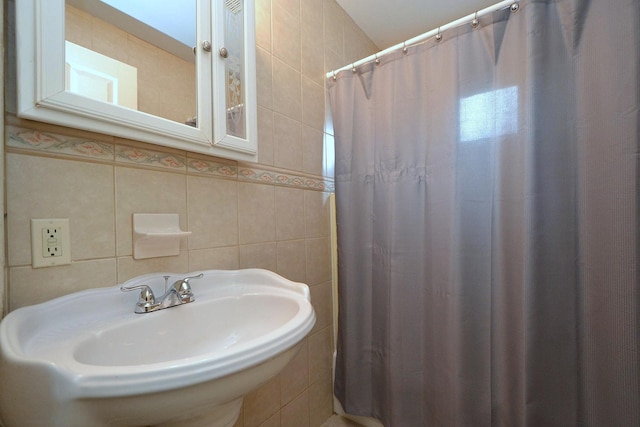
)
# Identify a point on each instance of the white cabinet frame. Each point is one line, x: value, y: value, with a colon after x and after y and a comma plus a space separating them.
x: 41, y: 85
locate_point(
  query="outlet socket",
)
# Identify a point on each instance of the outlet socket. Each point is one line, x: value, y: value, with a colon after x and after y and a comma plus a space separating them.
x: 50, y: 244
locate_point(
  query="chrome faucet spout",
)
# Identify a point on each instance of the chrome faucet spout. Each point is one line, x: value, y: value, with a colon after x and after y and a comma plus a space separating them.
x: 179, y: 293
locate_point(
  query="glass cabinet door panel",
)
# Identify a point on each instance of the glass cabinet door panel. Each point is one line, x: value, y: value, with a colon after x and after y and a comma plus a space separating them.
x: 234, y: 68
x: 235, y: 71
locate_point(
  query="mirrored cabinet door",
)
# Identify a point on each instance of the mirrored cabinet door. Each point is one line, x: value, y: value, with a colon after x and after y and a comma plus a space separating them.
x: 134, y: 54
x: 142, y: 70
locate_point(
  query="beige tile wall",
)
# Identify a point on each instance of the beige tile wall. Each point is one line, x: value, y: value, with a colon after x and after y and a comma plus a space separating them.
x: 238, y: 216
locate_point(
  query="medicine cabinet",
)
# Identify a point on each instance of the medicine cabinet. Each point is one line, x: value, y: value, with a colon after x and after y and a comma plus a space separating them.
x: 178, y: 74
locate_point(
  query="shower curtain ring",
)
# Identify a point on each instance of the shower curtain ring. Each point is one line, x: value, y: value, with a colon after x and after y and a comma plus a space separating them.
x: 439, y: 35
x: 475, y: 22
x: 405, y: 49
x: 514, y: 7
x: 377, y: 60
x: 334, y: 75
x: 353, y: 68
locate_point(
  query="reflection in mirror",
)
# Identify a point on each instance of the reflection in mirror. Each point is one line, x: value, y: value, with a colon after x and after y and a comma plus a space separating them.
x: 234, y: 43
x: 136, y: 54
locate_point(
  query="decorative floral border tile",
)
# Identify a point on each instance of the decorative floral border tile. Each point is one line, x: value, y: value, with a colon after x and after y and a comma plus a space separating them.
x: 142, y: 156
x: 211, y: 167
x: 287, y: 179
x: 52, y: 143
x: 58, y: 144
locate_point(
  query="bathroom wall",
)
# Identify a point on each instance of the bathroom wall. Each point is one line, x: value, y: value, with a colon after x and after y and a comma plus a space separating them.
x: 273, y: 214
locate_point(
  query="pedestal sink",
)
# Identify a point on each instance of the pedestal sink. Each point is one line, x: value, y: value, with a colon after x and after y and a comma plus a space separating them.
x: 86, y: 359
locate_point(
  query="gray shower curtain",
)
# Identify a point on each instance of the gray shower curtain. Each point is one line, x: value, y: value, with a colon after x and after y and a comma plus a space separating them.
x: 488, y: 208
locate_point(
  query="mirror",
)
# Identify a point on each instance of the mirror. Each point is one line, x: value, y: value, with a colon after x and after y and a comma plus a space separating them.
x: 136, y: 54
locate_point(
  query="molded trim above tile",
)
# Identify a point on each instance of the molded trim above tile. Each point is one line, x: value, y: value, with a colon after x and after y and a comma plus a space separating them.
x: 289, y: 179
x: 146, y: 157
x: 212, y: 167
x: 29, y: 139
x: 124, y: 152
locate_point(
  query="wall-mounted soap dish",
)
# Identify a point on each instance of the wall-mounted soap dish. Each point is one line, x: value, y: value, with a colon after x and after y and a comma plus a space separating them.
x: 156, y: 235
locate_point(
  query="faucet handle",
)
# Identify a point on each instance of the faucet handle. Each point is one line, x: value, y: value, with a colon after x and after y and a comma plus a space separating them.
x: 146, y: 294
x: 184, y: 289
x: 199, y: 276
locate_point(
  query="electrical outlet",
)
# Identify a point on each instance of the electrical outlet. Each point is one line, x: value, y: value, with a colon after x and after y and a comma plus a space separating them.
x: 50, y: 244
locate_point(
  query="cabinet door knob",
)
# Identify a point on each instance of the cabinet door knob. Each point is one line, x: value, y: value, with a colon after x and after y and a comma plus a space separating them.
x: 206, y: 46
x: 224, y: 52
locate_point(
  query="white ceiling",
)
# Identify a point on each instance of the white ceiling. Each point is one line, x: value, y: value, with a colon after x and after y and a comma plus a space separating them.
x: 389, y: 22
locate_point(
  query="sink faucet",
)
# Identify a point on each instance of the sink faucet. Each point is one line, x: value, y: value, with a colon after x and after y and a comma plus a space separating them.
x: 179, y: 293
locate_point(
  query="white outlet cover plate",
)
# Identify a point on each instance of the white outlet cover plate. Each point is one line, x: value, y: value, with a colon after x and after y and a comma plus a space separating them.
x: 37, y: 258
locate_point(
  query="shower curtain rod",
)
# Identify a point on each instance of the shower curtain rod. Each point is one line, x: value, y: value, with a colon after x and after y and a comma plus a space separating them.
x: 471, y: 18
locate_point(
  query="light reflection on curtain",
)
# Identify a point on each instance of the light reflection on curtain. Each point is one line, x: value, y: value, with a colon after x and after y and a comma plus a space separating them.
x: 487, y: 205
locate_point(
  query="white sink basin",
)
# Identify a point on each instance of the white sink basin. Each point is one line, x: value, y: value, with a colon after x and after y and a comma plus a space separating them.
x: 89, y: 360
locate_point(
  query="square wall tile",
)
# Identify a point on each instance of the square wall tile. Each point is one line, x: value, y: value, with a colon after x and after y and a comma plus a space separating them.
x: 212, y: 212
x: 265, y: 136
x: 273, y: 421
x: 316, y: 214
x: 39, y: 187
x: 332, y: 60
x: 291, y: 264
x: 214, y: 259
x: 261, y: 404
x: 320, y: 355
x: 312, y: 151
x: 322, y: 301
x: 289, y: 213
x: 286, y: 32
x: 264, y: 77
x: 32, y: 286
x: 262, y: 255
x: 128, y: 268
x: 296, y: 413
x: 320, y: 402
x: 359, y: 45
x: 334, y: 28
x: 313, y: 96
x: 263, y: 24
x: 294, y: 378
x: 256, y: 213
x: 312, y: 40
x: 287, y: 90
x: 293, y: 6
x: 288, y: 145
x: 318, y: 263
x: 147, y: 191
